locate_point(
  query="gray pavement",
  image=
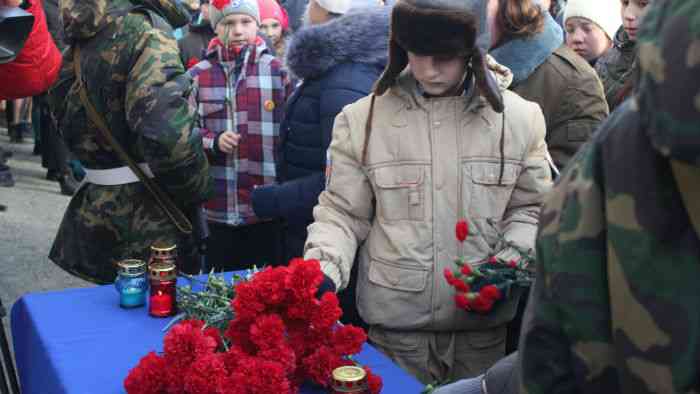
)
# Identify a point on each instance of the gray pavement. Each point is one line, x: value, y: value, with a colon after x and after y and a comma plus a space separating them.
x: 35, y: 208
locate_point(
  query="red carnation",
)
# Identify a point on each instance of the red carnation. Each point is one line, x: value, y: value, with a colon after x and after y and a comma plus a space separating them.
x: 204, y: 376
x: 267, y: 331
x: 147, y: 377
x: 462, y: 301
x: 466, y: 269
x: 374, y: 382
x: 185, y: 342
x: 481, y: 304
x: 220, y: 4
x: 512, y: 264
x: 449, y: 276
x: 348, y: 340
x: 490, y: 292
x: 320, y: 365
x: 304, y: 278
x: 462, y: 230
x: 493, y: 260
x: 461, y: 286
x: 327, y: 313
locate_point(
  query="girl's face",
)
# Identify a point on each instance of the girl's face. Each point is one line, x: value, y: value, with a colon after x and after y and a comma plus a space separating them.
x: 632, y: 13
x: 237, y: 30
x: 272, y: 28
x: 439, y: 76
x: 586, y: 38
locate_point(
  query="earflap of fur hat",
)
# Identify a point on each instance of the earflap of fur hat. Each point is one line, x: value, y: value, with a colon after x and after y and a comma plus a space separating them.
x: 485, y: 82
x: 398, y: 60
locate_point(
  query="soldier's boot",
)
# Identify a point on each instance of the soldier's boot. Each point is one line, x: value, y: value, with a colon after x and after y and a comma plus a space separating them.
x: 69, y: 185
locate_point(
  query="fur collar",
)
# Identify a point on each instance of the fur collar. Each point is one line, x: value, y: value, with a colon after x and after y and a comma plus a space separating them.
x: 360, y: 36
x: 523, y: 56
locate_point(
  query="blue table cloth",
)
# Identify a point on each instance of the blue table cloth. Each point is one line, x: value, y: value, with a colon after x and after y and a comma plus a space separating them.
x: 80, y: 341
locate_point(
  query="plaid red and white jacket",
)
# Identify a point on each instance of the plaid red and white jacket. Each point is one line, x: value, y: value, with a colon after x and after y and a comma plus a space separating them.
x: 243, y: 91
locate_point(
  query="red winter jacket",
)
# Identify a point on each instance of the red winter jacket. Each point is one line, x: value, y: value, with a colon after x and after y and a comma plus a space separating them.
x: 36, y: 67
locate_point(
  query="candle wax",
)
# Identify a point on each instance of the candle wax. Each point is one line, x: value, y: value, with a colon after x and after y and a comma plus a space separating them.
x: 131, y: 297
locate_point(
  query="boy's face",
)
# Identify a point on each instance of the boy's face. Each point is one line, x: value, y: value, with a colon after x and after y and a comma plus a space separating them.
x: 632, y: 13
x: 237, y: 30
x: 439, y: 76
x: 586, y: 38
x: 272, y: 28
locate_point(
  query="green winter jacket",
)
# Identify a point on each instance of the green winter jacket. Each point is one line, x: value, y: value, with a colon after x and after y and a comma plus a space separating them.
x: 616, y: 304
x: 135, y: 79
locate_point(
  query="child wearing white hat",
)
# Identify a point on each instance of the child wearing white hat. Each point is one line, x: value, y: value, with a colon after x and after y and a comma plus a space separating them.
x: 590, y: 27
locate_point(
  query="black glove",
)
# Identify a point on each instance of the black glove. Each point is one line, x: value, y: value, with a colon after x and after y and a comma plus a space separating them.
x: 325, y: 286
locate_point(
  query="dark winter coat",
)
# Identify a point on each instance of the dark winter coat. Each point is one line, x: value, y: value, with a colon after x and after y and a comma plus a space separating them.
x: 195, y: 42
x: 338, y: 62
x: 616, y: 67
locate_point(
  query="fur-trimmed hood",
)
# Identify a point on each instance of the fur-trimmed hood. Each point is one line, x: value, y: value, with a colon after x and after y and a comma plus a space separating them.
x: 360, y: 36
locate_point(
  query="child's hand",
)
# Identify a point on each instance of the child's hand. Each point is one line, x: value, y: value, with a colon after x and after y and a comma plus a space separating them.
x: 228, y: 141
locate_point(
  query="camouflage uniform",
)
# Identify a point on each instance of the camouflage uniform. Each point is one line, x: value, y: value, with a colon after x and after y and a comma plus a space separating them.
x: 135, y: 79
x: 616, y: 66
x: 616, y: 305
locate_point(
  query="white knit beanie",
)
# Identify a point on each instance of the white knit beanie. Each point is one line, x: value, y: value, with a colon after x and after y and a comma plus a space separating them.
x: 335, y: 6
x: 219, y: 9
x: 600, y: 12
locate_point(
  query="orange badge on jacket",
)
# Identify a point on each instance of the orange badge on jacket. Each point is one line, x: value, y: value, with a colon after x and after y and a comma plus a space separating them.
x: 269, y: 105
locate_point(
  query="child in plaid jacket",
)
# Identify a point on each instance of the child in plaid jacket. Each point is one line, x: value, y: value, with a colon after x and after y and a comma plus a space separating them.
x: 239, y: 92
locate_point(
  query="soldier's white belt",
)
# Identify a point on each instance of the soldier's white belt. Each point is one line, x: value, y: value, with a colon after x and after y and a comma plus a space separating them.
x: 115, y: 176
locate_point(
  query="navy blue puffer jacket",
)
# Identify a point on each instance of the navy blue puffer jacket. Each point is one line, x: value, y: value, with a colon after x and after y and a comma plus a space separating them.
x: 338, y: 62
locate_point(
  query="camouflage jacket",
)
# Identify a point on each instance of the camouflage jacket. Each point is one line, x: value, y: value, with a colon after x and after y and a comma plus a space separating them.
x: 615, y: 67
x: 616, y: 304
x: 135, y: 79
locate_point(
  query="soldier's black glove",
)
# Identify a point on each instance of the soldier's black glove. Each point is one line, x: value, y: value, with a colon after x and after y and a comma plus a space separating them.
x: 325, y: 286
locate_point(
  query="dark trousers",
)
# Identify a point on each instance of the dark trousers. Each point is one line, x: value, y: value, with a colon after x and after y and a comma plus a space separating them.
x: 236, y: 248
x: 54, y: 152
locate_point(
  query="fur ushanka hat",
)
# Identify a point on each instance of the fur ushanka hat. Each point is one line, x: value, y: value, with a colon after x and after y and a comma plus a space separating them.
x: 437, y: 27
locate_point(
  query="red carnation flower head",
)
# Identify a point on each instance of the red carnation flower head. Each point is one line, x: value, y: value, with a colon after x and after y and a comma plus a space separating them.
x: 374, y: 382
x: 449, y: 276
x: 490, y: 292
x: 147, y: 377
x: 220, y: 4
x: 466, y: 269
x: 481, y: 304
x: 493, y: 260
x: 185, y: 342
x: 205, y: 375
x: 348, y: 340
x: 461, y: 286
x: 512, y: 264
x: 462, y: 301
x: 462, y: 230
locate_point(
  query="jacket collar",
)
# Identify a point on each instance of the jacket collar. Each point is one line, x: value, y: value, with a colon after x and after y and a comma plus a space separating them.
x: 251, y: 52
x: 523, y: 56
x: 360, y: 36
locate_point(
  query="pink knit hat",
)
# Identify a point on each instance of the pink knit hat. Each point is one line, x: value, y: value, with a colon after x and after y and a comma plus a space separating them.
x: 270, y: 9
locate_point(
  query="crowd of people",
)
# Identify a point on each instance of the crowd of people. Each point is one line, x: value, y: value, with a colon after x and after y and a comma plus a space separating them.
x: 357, y: 132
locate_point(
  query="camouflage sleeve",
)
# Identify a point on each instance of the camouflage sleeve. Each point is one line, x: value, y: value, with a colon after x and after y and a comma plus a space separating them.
x: 157, y: 110
x: 565, y: 341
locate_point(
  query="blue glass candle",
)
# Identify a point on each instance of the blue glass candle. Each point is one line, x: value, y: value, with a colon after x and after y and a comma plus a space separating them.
x: 131, y: 283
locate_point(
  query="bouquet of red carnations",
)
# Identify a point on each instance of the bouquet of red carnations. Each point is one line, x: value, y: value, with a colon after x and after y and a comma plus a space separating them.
x: 480, y: 287
x: 281, y: 336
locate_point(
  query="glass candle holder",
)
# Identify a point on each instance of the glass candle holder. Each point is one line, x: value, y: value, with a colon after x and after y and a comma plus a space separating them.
x: 349, y: 379
x: 163, y: 252
x: 131, y: 283
x: 163, y: 280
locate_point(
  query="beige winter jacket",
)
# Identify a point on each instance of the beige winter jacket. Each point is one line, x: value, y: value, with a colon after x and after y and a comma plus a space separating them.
x: 424, y: 158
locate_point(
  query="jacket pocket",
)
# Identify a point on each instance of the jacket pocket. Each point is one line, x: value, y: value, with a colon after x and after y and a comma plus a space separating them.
x: 394, y: 295
x: 580, y: 131
x: 208, y: 108
x: 485, y: 196
x: 400, y: 192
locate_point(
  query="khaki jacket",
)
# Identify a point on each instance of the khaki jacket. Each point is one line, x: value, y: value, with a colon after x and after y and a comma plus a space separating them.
x: 427, y: 160
x: 571, y: 97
